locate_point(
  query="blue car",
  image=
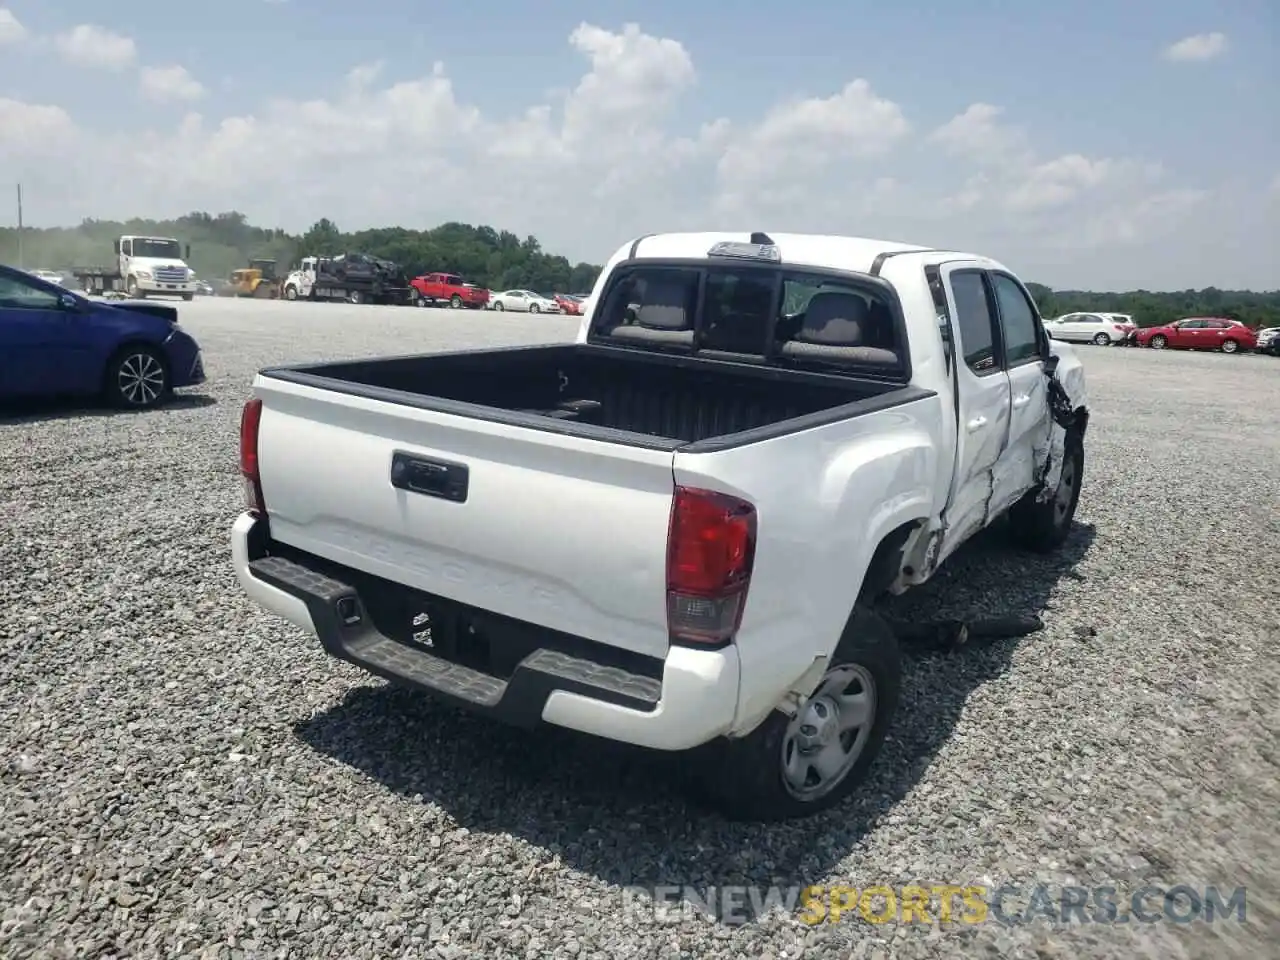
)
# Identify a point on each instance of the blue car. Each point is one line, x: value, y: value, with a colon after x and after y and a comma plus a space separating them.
x: 55, y: 342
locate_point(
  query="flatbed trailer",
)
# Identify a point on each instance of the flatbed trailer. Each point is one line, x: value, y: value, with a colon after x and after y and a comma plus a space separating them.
x: 99, y: 281
x: 322, y: 278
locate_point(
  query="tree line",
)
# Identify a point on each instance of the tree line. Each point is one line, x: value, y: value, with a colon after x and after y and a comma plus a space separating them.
x: 220, y: 243
x: 500, y: 260
x: 1152, y: 308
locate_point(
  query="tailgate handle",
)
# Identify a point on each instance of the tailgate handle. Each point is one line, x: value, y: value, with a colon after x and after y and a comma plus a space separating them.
x: 431, y: 478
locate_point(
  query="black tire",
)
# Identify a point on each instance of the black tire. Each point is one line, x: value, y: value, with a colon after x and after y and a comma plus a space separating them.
x: 1159, y: 342
x: 533, y: 308
x: 420, y: 301
x: 498, y: 306
x: 1230, y: 346
x: 133, y: 291
x: 354, y: 296
x: 455, y: 302
x: 1043, y: 527
x: 136, y: 378
x: 1102, y: 340
x: 291, y: 292
x: 743, y: 778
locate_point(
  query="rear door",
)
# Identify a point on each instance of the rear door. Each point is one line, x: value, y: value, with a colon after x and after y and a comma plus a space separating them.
x: 983, y: 400
x: 1215, y: 332
x: 1022, y: 349
x: 566, y: 532
x: 1090, y: 326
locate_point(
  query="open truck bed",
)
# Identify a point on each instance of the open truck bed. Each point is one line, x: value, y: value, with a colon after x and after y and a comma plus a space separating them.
x: 609, y: 393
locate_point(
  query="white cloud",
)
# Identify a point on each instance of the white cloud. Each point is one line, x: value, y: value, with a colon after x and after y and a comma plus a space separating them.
x: 977, y: 134
x: 1202, y: 46
x: 11, y: 30
x: 802, y: 140
x: 169, y: 84
x: 622, y: 152
x: 87, y: 45
x: 1014, y: 179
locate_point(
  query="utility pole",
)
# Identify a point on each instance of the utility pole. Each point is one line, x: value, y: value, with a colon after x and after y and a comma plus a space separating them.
x: 20, y: 263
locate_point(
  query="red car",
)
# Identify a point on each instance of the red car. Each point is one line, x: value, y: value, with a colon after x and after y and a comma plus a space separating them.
x: 1199, y: 333
x: 568, y: 304
x: 448, y: 288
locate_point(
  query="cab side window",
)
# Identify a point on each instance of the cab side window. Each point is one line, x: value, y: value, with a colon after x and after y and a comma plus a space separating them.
x: 975, y: 320
x: 1018, y: 321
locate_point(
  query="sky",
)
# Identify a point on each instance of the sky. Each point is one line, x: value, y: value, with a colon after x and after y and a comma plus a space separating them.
x: 1084, y: 144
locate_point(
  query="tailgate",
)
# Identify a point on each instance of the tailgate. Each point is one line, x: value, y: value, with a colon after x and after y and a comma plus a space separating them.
x: 564, y: 532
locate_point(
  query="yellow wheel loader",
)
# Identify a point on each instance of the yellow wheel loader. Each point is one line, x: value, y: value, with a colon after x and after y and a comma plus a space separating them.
x: 258, y: 280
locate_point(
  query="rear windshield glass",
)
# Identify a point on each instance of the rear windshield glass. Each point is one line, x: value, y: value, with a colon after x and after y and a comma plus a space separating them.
x: 800, y: 317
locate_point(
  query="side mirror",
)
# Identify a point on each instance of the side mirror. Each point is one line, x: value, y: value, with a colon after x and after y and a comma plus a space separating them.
x: 68, y: 302
x: 115, y: 245
x: 1051, y: 364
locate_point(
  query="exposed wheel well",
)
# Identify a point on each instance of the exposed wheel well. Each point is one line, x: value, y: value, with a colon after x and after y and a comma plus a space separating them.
x: 1081, y: 422
x: 886, y: 562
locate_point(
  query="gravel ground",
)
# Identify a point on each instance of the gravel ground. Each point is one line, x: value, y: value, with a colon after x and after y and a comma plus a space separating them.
x: 185, y: 776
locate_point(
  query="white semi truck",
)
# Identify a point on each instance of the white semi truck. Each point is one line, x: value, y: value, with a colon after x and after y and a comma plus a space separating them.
x: 145, y: 266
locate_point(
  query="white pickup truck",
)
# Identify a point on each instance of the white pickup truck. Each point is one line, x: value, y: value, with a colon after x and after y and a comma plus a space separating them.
x: 670, y: 532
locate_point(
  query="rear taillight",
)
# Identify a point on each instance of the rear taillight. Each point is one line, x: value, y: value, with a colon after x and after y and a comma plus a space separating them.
x: 250, y: 418
x: 711, y: 547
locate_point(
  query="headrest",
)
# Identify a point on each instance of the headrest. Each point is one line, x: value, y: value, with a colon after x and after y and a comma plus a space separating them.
x: 835, y: 318
x: 664, y: 304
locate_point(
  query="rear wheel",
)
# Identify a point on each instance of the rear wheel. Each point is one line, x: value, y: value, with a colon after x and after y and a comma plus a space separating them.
x: 137, y: 377
x: 533, y: 308
x: 497, y: 305
x: 455, y: 302
x: 1102, y: 340
x: 1230, y: 346
x: 419, y: 300
x: 355, y: 297
x: 291, y: 292
x: 792, y: 767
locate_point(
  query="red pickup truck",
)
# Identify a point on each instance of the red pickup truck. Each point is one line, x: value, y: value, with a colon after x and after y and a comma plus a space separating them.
x: 433, y: 288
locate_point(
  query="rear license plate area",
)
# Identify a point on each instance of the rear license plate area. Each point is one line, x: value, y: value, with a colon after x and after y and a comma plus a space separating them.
x: 440, y: 628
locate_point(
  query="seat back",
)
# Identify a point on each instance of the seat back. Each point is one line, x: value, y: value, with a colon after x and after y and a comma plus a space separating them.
x: 661, y: 313
x: 839, y: 326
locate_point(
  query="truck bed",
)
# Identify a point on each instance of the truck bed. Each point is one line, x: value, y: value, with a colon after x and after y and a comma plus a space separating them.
x: 612, y: 393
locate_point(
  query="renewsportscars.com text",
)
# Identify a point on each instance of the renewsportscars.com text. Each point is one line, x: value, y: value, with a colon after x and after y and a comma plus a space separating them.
x: 945, y: 903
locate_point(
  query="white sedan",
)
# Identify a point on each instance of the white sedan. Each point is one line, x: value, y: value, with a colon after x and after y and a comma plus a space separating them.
x: 1100, y: 328
x: 523, y: 300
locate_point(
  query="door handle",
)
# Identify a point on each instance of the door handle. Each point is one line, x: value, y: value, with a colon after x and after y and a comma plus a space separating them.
x: 432, y: 478
x: 1022, y: 401
x: 977, y: 423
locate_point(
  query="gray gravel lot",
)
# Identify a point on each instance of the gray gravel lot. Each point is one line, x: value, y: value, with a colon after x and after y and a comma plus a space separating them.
x: 183, y: 775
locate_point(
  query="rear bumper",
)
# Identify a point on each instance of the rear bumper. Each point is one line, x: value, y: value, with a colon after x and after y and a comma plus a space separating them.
x: 685, y: 700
